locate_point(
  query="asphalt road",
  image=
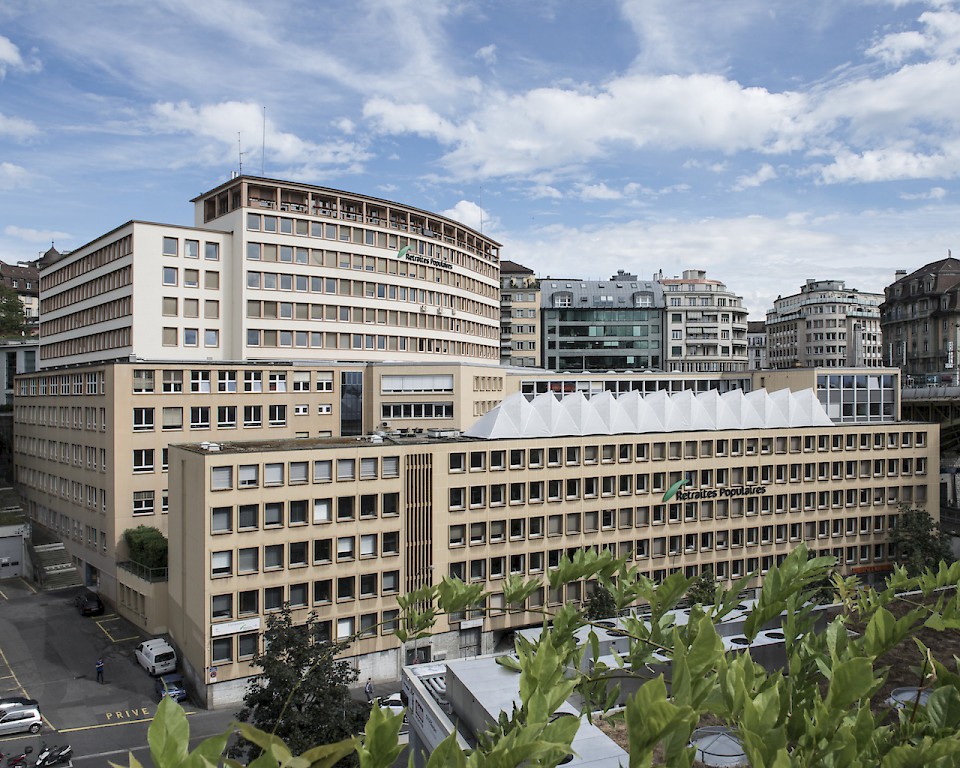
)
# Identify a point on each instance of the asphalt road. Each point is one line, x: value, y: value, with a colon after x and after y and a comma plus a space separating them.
x: 49, y: 652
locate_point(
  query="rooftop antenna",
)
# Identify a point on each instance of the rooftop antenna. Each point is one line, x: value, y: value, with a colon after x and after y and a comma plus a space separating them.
x: 263, y: 145
x: 240, y: 153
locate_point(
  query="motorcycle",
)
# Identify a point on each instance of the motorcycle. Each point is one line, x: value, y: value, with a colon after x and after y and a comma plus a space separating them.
x: 19, y: 761
x: 54, y: 755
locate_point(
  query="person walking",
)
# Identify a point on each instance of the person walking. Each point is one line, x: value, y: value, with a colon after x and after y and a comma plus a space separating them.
x: 368, y: 689
x: 100, y: 670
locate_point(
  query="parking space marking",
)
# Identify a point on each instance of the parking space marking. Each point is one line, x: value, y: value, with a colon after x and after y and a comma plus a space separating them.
x: 3, y: 595
x: 12, y: 675
x: 115, y: 619
x: 28, y: 585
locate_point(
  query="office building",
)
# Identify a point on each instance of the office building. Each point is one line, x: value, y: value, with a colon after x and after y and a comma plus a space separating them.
x: 920, y: 320
x: 344, y: 526
x: 519, y: 315
x: 705, y: 325
x: 605, y: 325
x: 274, y: 270
x: 826, y: 325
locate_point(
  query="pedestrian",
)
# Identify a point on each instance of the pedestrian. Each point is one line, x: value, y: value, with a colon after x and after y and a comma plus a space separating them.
x: 368, y: 689
x: 100, y: 671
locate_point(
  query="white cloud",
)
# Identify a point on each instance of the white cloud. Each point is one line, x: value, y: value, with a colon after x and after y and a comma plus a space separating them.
x: 344, y: 125
x: 13, y: 176
x: 220, y: 123
x: 35, y: 235
x: 556, y: 128
x: 545, y: 190
x: 597, y: 192
x: 892, y: 163
x: 934, y: 193
x: 487, y: 54
x: 17, y: 128
x: 763, y: 174
x: 472, y: 215
x: 10, y: 58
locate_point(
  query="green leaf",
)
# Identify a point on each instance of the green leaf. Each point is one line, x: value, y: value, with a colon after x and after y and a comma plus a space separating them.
x: 852, y: 680
x: 169, y: 734
x: 447, y: 754
x: 328, y: 755
x: 209, y: 751
x: 380, y: 745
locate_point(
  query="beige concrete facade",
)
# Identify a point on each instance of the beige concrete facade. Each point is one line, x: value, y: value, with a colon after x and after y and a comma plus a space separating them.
x: 343, y: 527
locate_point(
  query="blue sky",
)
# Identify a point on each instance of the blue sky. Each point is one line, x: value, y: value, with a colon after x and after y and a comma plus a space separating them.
x: 764, y: 141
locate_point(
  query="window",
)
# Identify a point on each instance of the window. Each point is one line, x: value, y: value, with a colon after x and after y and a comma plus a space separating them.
x: 221, y: 563
x: 200, y: 417
x: 273, y: 474
x: 345, y: 548
x: 346, y: 469
x: 170, y: 246
x: 248, y: 602
x: 221, y: 478
x: 172, y: 381
x: 248, y: 560
x: 322, y: 471
x: 191, y: 278
x: 143, y: 503
x: 273, y: 514
x: 221, y: 606
x: 278, y: 415
x: 211, y: 251
x: 143, y: 419
x: 221, y: 519
x: 247, y: 643
x: 324, y: 381
x: 211, y: 338
x: 143, y: 460
x: 368, y: 545
x: 222, y: 650
x: 252, y: 381
x: 273, y: 556
x: 142, y: 381
x: 273, y: 598
x: 169, y: 275
x: 191, y: 337
x: 226, y: 416
x: 322, y: 510
x: 247, y: 516
x: 248, y: 476
x: 252, y: 415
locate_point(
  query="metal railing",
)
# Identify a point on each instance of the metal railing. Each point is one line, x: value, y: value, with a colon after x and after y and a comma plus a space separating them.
x: 152, y: 575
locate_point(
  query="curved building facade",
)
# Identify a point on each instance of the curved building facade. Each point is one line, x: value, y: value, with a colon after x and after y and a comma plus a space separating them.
x: 274, y: 270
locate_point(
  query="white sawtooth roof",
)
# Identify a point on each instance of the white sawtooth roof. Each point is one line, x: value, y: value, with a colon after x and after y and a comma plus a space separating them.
x: 547, y: 415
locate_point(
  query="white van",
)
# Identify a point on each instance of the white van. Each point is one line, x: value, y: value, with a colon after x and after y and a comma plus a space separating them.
x: 156, y: 656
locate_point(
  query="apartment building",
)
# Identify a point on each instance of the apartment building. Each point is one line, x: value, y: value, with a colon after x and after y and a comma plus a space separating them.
x: 519, y: 315
x: 825, y: 325
x: 344, y: 526
x: 757, y: 345
x: 23, y: 277
x: 602, y: 325
x: 705, y: 324
x: 274, y: 270
x: 920, y: 320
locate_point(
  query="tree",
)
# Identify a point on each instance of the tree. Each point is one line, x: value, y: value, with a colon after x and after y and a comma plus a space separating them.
x: 703, y: 590
x: 918, y: 541
x: 146, y: 546
x: 599, y: 604
x: 301, y: 694
x: 824, y: 707
x: 11, y: 312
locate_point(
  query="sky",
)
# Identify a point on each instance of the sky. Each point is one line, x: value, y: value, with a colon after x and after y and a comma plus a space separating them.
x: 765, y: 141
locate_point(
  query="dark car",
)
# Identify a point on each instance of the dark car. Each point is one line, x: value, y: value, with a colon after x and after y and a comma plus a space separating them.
x: 170, y: 685
x: 89, y: 604
x: 10, y: 702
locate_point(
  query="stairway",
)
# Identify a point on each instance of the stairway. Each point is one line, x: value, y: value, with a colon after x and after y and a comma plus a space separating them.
x: 54, y: 568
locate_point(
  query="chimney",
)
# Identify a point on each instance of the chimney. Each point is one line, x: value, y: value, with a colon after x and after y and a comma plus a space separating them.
x: 899, y: 273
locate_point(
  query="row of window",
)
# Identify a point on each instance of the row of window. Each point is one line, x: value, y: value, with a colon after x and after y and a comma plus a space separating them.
x: 275, y: 514
x: 202, y: 381
x: 226, y: 606
x: 90, y: 383
x: 244, y: 561
x: 297, y: 472
x: 190, y: 248
x: 575, y: 455
x: 191, y: 278
x: 481, y: 497
x: 227, y: 416
x: 271, y: 338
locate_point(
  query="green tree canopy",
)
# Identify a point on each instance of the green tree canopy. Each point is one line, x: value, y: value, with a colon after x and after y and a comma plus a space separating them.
x: 301, y: 694
x: 11, y: 312
x: 599, y: 604
x: 147, y: 546
x: 918, y: 541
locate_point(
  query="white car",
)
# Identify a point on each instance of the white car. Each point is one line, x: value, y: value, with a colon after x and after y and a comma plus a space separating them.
x: 394, y: 704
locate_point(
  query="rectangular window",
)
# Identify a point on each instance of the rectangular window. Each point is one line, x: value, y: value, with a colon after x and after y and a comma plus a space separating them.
x: 221, y: 563
x: 143, y: 419
x: 143, y: 460
x: 226, y: 416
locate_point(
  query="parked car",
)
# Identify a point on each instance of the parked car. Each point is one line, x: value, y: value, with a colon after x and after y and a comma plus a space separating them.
x: 10, y: 702
x: 20, y: 720
x: 156, y: 656
x: 89, y: 604
x: 170, y: 685
x: 394, y: 704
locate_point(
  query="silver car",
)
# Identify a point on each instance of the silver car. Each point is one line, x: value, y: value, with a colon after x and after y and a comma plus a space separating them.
x: 19, y: 720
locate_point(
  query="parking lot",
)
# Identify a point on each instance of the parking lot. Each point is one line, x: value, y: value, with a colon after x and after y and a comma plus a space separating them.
x: 49, y: 652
